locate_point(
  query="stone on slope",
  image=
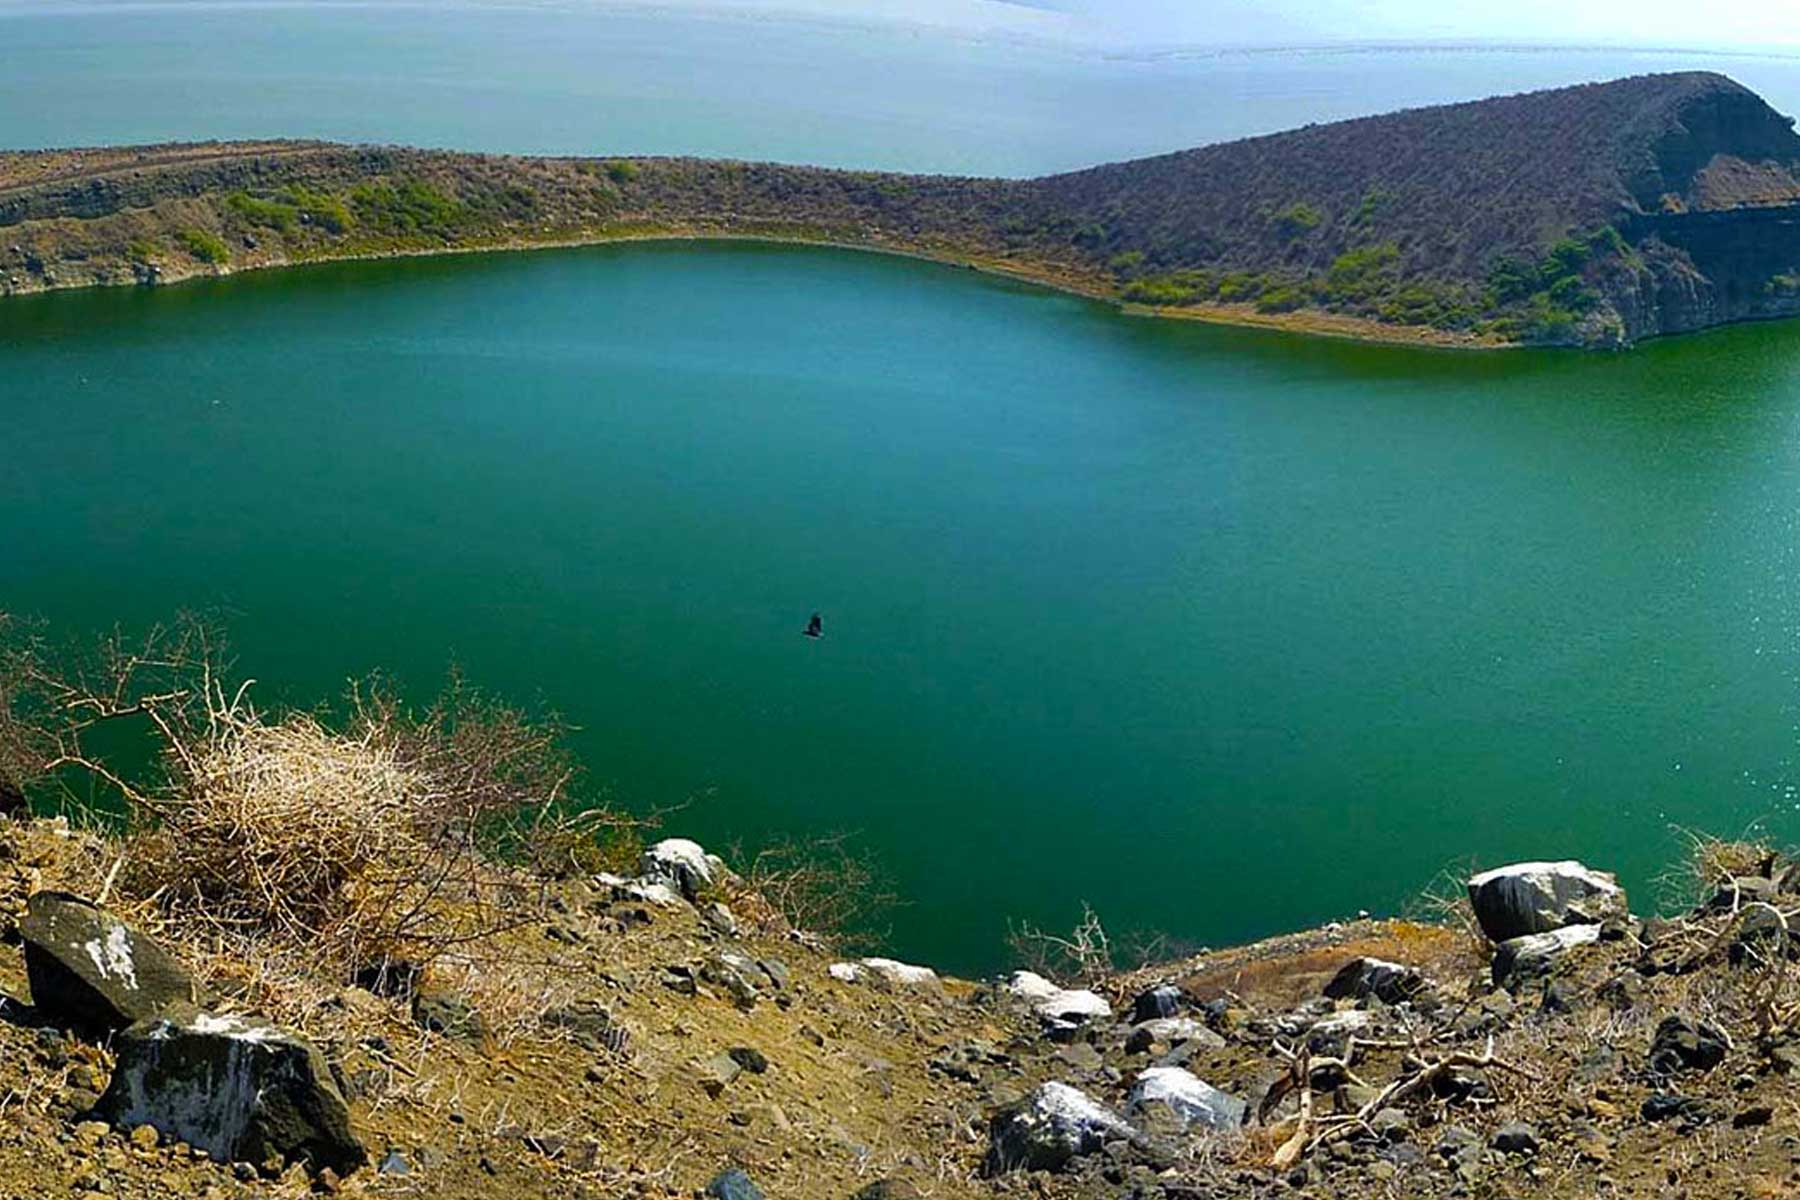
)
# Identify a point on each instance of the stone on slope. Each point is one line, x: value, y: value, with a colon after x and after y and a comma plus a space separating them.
x: 240, y: 1091
x: 1537, y: 897
x: 1189, y: 1097
x: 1062, y: 1009
x: 733, y: 1184
x: 640, y: 891
x: 1389, y: 982
x: 1053, y: 1125
x: 684, y: 865
x: 1156, y: 1003
x: 884, y: 972
x: 1171, y: 1031
x: 90, y: 971
x: 1533, y: 955
x: 1683, y: 1045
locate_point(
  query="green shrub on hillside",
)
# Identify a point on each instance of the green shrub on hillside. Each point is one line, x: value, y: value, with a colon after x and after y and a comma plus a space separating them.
x: 141, y: 250
x: 270, y: 214
x: 320, y: 209
x: 1240, y: 286
x: 1172, y: 288
x: 1361, y: 275
x: 206, y: 247
x: 1280, y: 300
x: 1297, y: 220
x: 1373, y: 201
x: 621, y: 170
x: 405, y: 209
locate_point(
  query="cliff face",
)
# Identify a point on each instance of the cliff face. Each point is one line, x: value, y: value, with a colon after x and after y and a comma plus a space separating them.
x: 1699, y: 269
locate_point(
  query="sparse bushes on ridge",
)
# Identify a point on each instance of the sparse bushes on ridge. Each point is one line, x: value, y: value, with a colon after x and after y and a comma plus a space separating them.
x: 206, y: 247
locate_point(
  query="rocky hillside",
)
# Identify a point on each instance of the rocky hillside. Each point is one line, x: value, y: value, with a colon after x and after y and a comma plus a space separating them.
x: 1594, y: 215
x: 655, y: 1035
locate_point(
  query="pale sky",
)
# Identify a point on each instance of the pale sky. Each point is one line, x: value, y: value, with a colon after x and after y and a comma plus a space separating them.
x: 1146, y: 24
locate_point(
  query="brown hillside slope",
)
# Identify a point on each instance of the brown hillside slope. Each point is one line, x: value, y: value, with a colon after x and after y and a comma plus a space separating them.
x: 1564, y: 216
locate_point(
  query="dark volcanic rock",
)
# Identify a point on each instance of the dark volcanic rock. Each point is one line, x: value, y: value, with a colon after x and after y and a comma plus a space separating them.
x: 1156, y: 1003
x: 241, y: 1092
x: 1054, y: 1125
x: 1516, y: 1137
x: 1386, y: 981
x: 1534, y: 955
x: 1681, y: 1045
x: 450, y: 1015
x: 733, y: 1184
x: 90, y: 971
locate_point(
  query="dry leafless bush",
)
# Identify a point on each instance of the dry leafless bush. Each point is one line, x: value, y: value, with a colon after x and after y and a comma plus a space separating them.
x: 1083, y: 955
x: 1709, y: 861
x: 823, y: 885
x: 1445, y: 902
x: 385, y: 833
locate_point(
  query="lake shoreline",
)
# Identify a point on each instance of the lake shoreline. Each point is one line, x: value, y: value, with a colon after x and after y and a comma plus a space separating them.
x: 1310, y: 322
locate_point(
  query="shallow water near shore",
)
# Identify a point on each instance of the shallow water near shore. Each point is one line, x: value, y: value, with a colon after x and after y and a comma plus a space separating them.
x: 1224, y: 631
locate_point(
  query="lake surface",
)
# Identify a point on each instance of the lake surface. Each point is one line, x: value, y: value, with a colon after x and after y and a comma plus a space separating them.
x: 1224, y: 631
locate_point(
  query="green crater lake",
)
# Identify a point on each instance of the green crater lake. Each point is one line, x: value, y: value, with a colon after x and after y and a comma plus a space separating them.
x: 1223, y: 631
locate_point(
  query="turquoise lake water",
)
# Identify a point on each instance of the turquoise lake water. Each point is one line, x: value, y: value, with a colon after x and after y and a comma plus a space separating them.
x: 1223, y: 631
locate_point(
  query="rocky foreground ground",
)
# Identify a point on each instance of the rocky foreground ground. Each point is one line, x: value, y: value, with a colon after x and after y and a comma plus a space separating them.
x: 662, y: 1036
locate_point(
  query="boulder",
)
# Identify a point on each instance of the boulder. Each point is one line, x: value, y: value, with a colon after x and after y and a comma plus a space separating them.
x: 1053, y: 1125
x: 1517, y: 1137
x: 1532, y: 956
x: 1189, y: 1097
x: 239, y: 1091
x: 450, y: 1015
x: 889, y: 1189
x: 1682, y: 1045
x: 1389, y: 982
x: 90, y: 971
x: 1062, y: 1009
x: 885, y: 972
x: 640, y: 891
x: 1155, y: 1004
x: 684, y: 865
x: 732, y: 1184
x: 1170, y: 1031
x: 1537, y: 897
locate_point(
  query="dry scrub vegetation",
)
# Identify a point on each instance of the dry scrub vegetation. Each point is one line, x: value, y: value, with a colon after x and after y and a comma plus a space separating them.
x: 294, y: 843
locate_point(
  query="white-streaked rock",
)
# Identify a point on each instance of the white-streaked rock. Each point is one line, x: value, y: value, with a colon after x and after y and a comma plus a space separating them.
x: 1055, y: 1124
x: 1536, y: 897
x: 642, y: 891
x: 89, y: 970
x: 886, y: 971
x: 1065, y: 1008
x: 1189, y: 1097
x: 1521, y: 958
x: 238, y: 1090
x: 684, y: 865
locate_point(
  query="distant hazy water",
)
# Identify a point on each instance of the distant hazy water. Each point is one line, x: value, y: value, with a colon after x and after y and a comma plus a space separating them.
x: 1223, y: 631
x: 579, y: 78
